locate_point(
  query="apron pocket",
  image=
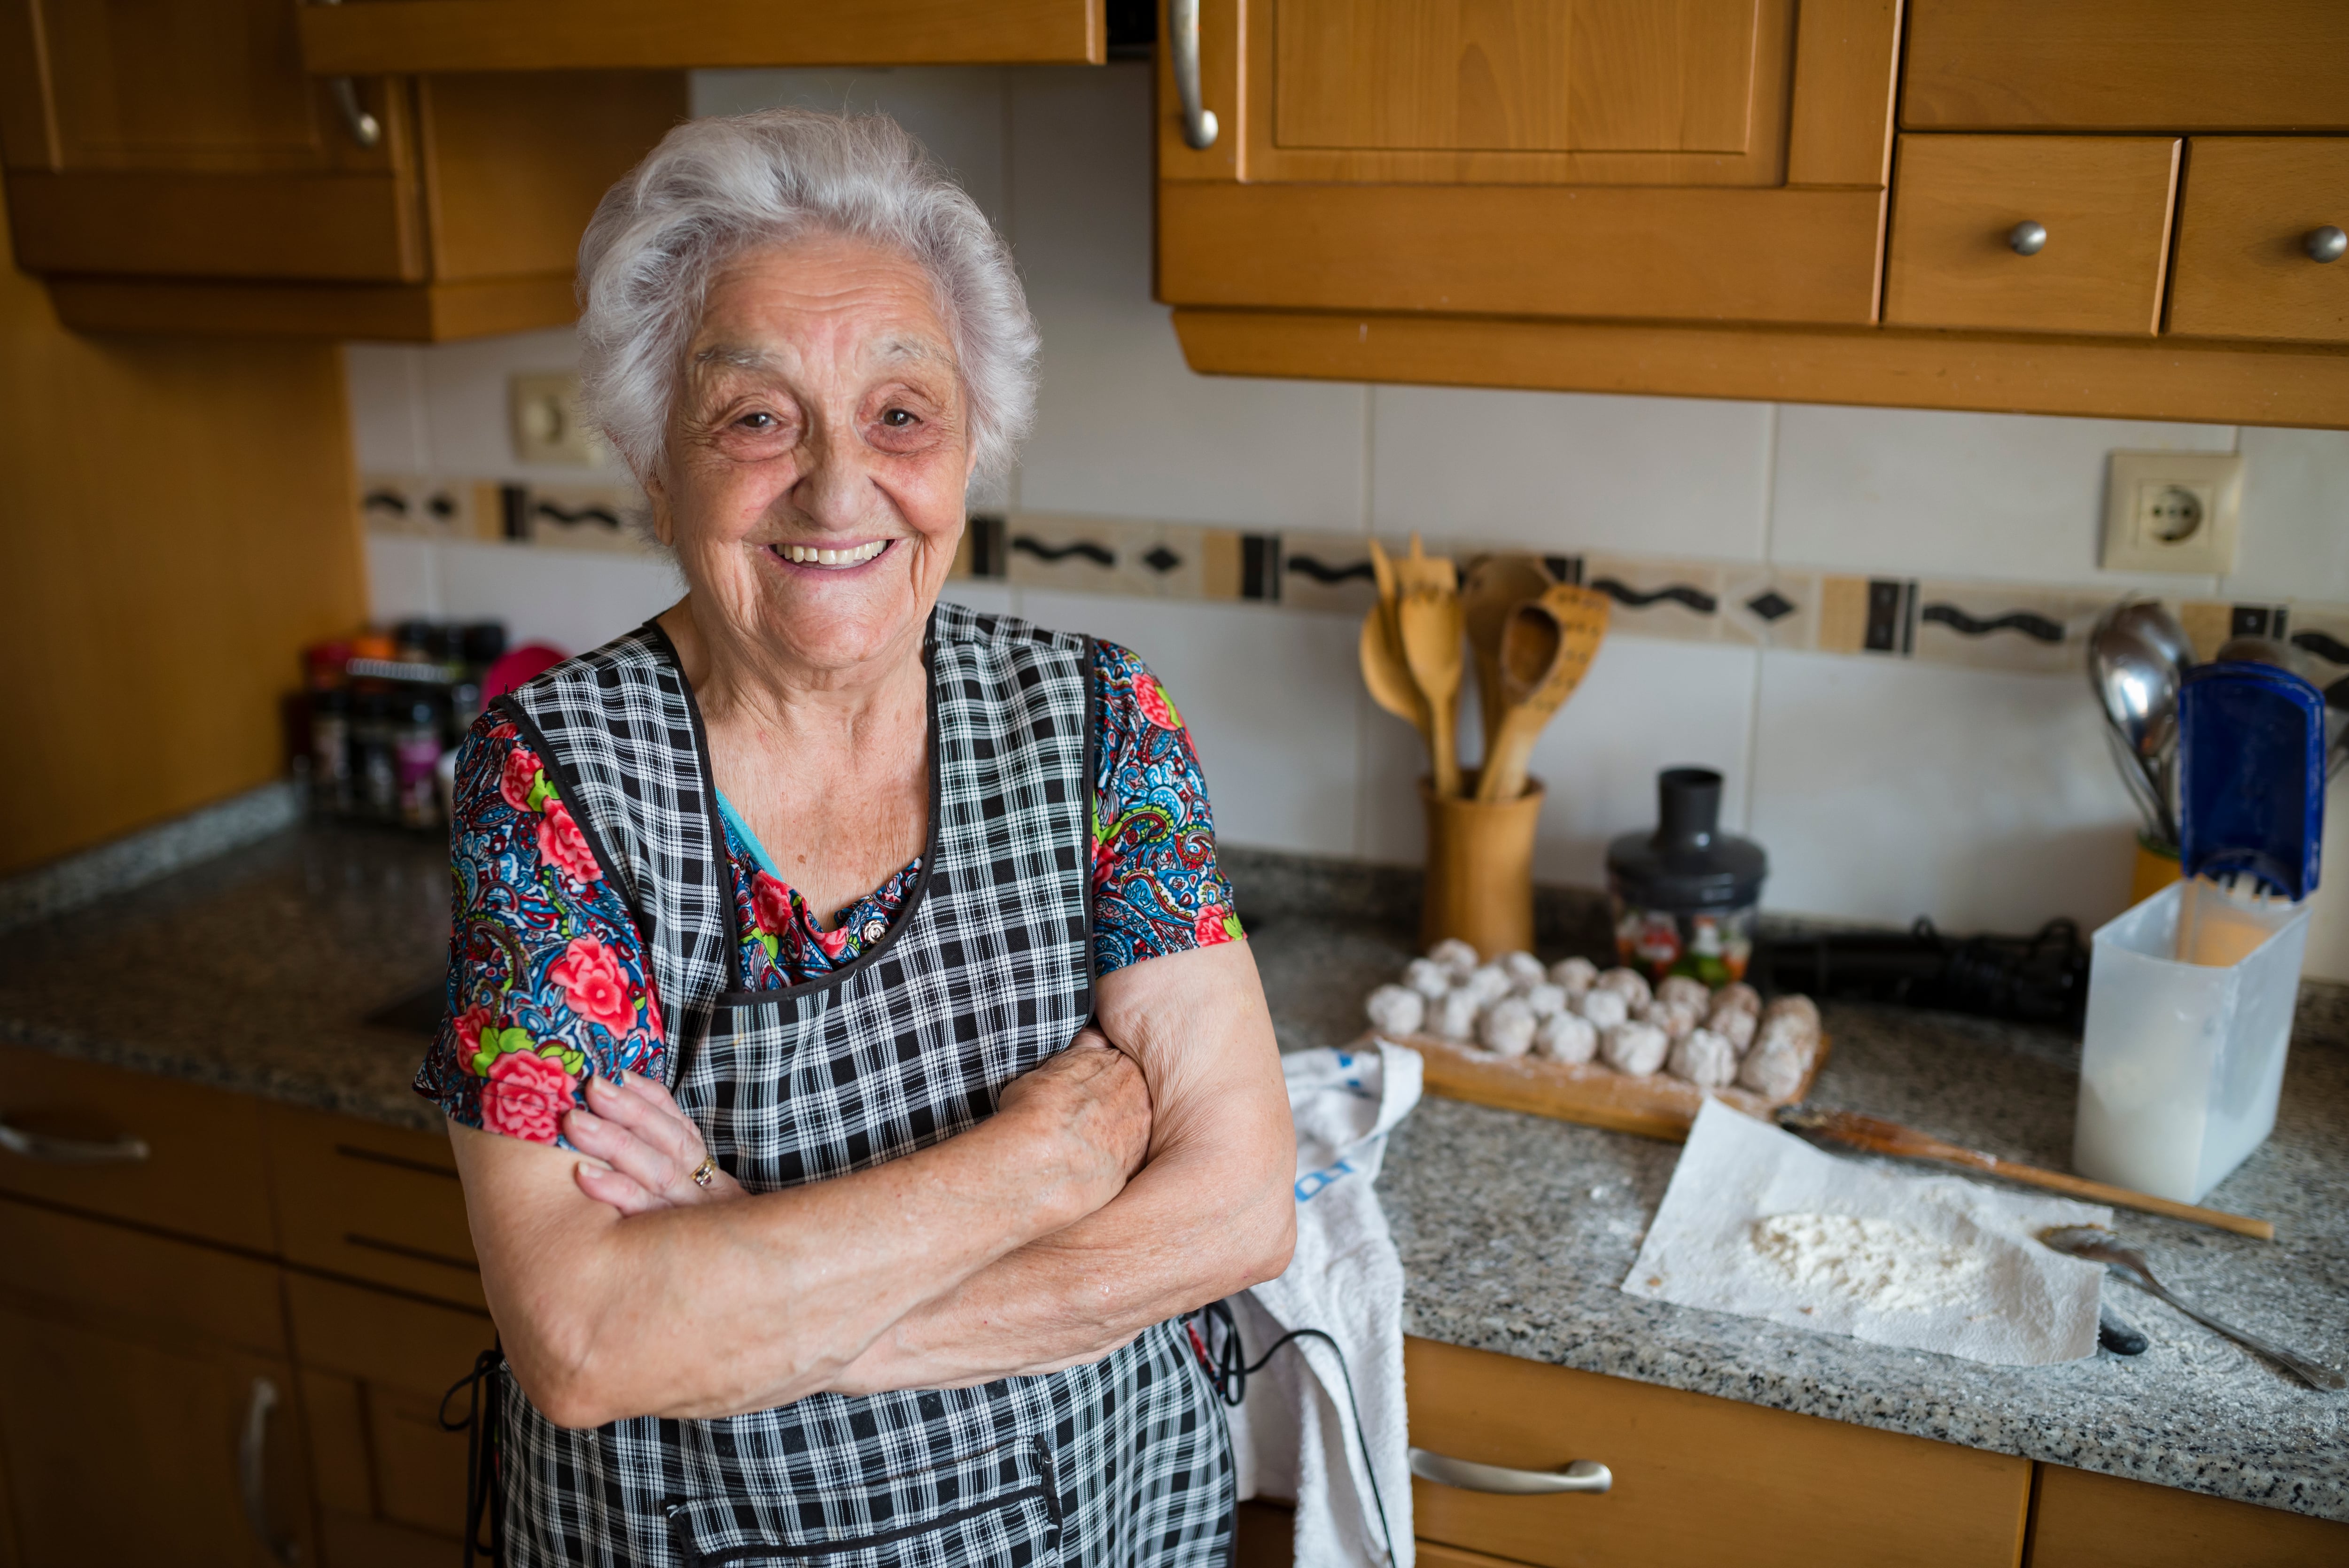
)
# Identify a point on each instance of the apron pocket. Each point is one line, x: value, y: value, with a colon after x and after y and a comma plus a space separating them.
x: 994, y: 1510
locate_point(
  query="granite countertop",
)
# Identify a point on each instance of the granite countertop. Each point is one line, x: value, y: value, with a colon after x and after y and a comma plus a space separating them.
x: 256, y: 972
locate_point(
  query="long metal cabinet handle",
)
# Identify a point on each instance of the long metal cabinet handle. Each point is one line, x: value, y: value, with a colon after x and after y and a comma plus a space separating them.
x: 252, y: 1470
x: 1199, y: 126
x: 124, y: 1151
x: 365, y: 129
x: 1582, y: 1475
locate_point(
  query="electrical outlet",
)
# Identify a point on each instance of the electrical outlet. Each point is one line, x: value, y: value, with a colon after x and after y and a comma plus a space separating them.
x: 2173, y: 512
x: 547, y: 427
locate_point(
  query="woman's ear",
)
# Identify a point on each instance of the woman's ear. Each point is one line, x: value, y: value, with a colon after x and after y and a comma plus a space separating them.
x: 664, y: 520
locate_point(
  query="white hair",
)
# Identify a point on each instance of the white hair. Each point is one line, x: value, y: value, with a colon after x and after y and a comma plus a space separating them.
x: 716, y: 187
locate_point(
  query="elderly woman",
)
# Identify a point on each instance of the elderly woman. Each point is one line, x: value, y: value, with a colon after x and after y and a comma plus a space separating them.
x: 851, y: 1065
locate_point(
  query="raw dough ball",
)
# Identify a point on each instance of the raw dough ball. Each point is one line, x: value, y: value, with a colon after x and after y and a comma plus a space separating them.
x: 1427, y: 977
x: 1674, y: 1019
x: 1605, y: 1008
x: 1567, y: 1037
x: 1792, y: 1006
x: 1546, y: 999
x: 1454, y: 954
x: 1629, y: 983
x: 1455, y: 1015
x: 1686, y: 989
x: 1523, y: 969
x: 1738, y: 995
x: 1637, y: 1049
x: 1508, y: 1028
x: 1733, y: 1024
x: 1705, y: 1059
x: 1774, y: 1069
x: 1576, y: 974
x: 1491, y: 982
x: 1396, y: 1010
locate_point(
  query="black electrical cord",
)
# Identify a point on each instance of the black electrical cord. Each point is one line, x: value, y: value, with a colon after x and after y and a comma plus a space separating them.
x: 1228, y: 1370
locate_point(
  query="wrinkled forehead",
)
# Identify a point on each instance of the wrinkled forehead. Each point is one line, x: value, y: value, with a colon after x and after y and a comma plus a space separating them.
x: 787, y: 309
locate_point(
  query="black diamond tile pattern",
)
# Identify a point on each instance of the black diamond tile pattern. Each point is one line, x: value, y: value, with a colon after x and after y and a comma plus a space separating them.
x: 1770, y: 604
x: 1162, y: 560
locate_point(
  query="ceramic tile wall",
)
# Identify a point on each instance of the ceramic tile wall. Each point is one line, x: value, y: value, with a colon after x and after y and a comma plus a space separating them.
x: 1884, y: 788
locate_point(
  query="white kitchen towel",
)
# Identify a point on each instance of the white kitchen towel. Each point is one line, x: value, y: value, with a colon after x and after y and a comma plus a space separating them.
x: 1757, y: 1222
x: 1293, y: 1435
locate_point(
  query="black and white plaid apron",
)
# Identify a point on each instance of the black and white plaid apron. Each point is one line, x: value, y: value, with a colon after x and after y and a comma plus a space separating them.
x: 987, y: 971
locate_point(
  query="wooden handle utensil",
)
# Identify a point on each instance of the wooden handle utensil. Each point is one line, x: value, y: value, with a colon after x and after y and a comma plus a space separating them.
x: 1546, y: 645
x: 1880, y: 1136
x: 1493, y: 586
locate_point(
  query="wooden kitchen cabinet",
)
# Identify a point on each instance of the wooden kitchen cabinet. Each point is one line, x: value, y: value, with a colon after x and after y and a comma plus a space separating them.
x: 148, y: 1404
x: 1551, y: 158
x: 2102, y: 204
x: 1697, y: 1480
x: 368, y: 37
x: 371, y: 1202
x: 170, y: 167
x: 2080, y: 1519
x: 391, y: 1479
x: 2243, y: 267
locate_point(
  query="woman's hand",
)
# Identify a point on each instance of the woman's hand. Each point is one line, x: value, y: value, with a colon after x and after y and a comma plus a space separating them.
x: 1092, y: 1107
x: 650, y: 1148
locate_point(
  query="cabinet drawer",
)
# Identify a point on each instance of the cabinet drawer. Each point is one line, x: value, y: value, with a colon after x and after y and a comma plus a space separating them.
x: 2104, y: 202
x: 373, y: 1203
x: 2085, y: 1521
x: 2244, y: 216
x: 374, y: 1368
x: 1697, y: 1480
x: 202, y: 1173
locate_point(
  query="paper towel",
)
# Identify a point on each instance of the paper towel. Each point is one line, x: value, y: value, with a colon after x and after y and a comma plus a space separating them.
x: 2011, y: 1301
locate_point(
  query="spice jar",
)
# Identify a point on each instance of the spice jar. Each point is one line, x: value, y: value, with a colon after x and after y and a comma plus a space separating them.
x: 1684, y: 895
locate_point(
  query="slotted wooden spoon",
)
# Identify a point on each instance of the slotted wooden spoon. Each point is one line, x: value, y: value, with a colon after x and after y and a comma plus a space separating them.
x: 1429, y: 621
x: 1384, y: 669
x: 1495, y: 585
x: 1546, y: 645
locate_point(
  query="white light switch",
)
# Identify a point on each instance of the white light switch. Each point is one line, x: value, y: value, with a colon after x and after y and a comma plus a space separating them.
x: 2173, y: 512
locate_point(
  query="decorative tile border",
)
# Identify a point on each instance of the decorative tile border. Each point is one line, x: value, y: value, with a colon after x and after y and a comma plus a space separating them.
x: 2027, y: 628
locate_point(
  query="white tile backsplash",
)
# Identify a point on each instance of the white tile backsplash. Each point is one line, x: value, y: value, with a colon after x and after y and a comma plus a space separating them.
x: 1563, y: 471
x: 1267, y: 699
x: 2295, y: 522
x: 1913, y: 492
x: 1883, y: 788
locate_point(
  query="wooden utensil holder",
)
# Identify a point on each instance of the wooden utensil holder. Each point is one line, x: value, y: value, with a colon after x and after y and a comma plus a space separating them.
x: 1480, y: 868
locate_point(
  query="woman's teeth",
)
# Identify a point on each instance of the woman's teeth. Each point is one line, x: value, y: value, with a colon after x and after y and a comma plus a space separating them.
x: 811, y: 555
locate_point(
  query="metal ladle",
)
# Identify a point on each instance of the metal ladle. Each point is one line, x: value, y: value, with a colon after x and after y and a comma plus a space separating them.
x: 2137, y: 660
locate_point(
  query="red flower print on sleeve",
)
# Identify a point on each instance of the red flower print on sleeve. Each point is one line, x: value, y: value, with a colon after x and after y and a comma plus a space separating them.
x: 469, y: 1024
x: 516, y: 777
x: 591, y: 977
x: 562, y: 845
x: 770, y: 903
x: 1215, y: 923
x: 525, y: 1096
x: 1156, y: 707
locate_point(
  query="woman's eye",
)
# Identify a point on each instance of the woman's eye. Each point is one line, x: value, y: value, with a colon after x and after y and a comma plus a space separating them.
x: 897, y: 419
x: 757, y: 421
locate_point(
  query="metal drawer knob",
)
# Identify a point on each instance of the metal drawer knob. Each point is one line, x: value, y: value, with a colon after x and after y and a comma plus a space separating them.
x: 2325, y: 244
x: 1199, y: 126
x: 124, y: 1151
x: 2027, y: 238
x: 1582, y: 1475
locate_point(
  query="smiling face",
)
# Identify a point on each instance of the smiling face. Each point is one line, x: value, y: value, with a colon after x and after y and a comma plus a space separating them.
x: 818, y: 453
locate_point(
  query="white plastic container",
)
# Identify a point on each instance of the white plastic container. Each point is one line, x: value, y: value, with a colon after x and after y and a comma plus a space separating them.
x: 2182, y: 1062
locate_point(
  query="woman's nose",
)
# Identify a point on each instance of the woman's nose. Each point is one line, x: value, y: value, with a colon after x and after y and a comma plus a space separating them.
x: 836, y: 490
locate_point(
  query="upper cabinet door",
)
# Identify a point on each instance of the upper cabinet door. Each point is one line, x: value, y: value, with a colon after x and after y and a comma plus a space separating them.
x: 376, y: 35
x: 1686, y: 160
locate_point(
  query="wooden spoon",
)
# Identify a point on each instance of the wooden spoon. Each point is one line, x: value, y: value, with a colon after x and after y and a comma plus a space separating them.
x: 1546, y: 645
x: 1495, y: 585
x: 1429, y: 620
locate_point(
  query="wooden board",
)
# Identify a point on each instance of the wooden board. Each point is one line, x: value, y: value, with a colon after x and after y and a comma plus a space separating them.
x: 1658, y: 1106
x: 2080, y: 1519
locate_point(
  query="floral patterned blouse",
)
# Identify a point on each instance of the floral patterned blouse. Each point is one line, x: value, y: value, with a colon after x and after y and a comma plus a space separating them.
x: 548, y: 984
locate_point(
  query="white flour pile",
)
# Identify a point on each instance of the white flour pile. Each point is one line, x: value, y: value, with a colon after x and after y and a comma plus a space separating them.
x: 1876, y: 1263
x: 1759, y: 1222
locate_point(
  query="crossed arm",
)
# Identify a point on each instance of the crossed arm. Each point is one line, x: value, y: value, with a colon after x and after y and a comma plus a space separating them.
x: 1112, y: 1189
